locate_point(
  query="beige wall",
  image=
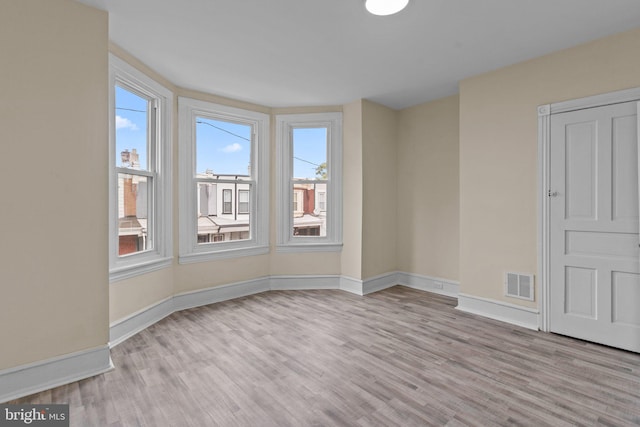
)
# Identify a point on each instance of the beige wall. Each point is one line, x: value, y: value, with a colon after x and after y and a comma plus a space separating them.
x: 132, y: 295
x: 202, y: 275
x: 498, y: 152
x: 351, y: 256
x: 428, y: 189
x: 53, y: 127
x: 379, y: 213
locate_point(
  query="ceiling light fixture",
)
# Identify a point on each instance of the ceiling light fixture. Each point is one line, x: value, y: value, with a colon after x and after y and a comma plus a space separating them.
x: 385, y: 7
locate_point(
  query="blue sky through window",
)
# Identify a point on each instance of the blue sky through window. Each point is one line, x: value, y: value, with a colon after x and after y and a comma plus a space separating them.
x: 224, y: 148
x: 309, y: 151
x: 131, y: 125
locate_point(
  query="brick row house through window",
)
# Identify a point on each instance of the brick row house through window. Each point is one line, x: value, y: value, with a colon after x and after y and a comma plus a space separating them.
x: 132, y: 208
x: 309, y: 209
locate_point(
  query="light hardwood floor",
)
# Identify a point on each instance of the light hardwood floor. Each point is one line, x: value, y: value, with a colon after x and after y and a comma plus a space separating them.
x: 398, y: 357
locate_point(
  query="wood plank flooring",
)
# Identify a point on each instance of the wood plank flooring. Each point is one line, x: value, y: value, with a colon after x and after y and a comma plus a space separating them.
x: 398, y: 357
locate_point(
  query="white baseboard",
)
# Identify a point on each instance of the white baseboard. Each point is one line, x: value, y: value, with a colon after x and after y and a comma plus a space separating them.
x: 370, y: 285
x: 127, y: 327
x: 378, y: 283
x: 349, y: 284
x: 499, y: 310
x: 131, y: 325
x: 42, y: 375
x: 303, y: 282
x: 435, y: 285
x: 220, y: 293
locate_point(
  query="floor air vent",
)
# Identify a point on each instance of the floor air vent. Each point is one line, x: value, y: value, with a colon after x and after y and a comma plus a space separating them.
x: 518, y: 285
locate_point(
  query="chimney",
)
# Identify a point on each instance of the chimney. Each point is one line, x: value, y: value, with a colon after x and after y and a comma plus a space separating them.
x: 129, y: 189
x: 125, y: 156
x: 135, y: 160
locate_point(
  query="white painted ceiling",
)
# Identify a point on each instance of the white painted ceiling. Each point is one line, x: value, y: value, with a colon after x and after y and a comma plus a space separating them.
x: 327, y: 52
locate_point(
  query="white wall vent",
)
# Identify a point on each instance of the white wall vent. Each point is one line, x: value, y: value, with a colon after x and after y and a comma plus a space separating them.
x: 519, y: 285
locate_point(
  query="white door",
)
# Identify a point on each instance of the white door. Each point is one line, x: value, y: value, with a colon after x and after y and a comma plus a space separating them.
x: 594, y: 242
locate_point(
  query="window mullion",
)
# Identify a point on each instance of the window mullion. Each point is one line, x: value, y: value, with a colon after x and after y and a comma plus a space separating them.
x: 224, y: 181
x: 138, y: 172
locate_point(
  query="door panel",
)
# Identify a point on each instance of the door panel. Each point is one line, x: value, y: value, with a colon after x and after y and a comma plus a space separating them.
x: 626, y: 291
x: 581, y: 171
x: 625, y: 169
x: 580, y: 291
x: 595, y: 243
x: 594, y: 265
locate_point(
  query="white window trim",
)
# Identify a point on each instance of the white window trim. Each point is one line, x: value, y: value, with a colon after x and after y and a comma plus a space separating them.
x: 161, y: 255
x: 285, y: 124
x: 190, y: 250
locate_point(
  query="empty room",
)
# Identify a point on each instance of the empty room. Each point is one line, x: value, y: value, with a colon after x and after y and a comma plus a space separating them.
x: 340, y: 212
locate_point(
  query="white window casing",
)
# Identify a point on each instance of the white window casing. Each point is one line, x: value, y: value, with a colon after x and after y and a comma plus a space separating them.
x: 157, y: 176
x: 258, y: 240
x: 331, y: 197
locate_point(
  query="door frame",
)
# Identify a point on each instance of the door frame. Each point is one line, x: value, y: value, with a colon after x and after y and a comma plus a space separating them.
x: 544, y: 140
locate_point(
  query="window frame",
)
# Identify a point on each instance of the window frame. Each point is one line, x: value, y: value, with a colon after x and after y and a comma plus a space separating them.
x: 190, y: 250
x: 286, y: 241
x: 159, y: 172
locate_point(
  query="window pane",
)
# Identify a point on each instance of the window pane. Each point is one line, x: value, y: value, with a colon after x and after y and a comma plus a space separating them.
x: 132, y: 131
x: 243, y: 201
x: 310, y: 153
x: 133, y: 213
x: 309, y: 219
x: 226, y: 201
x: 218, y: 221
x: 321, y: 200
x: 222, y: 148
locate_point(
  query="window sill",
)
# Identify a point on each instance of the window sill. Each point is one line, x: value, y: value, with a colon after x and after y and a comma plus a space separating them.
x: 126, y: 272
